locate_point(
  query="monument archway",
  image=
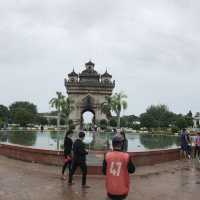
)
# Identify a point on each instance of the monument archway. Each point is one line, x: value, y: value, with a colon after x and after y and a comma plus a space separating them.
x: 88, y: 90
x: 87, y: 119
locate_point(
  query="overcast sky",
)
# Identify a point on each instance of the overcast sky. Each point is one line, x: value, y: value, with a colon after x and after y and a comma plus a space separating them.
x: 152, y: 49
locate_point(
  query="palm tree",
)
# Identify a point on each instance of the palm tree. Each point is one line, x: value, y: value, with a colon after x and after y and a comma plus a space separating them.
x: 67, y: 108
x: 57, y: 103
x: 119, y: 103
x: 63, y: 105
x: 106, y: 107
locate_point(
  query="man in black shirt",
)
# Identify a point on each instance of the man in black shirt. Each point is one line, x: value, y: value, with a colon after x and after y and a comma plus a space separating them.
x: 79, y: 159
x: 67, y: 153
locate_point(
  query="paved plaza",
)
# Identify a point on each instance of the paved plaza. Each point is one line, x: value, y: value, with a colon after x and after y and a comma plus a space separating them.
x: 29, y: 181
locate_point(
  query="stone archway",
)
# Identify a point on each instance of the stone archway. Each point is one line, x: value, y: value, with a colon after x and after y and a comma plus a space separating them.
x: 93, y: 121
x: 87, y: 104
x: 88, y: 91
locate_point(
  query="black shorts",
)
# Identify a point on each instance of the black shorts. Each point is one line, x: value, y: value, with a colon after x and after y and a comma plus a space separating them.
x: 117, y: 197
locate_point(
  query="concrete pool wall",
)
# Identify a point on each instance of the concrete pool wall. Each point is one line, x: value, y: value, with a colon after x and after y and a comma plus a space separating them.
x: 95, y: 158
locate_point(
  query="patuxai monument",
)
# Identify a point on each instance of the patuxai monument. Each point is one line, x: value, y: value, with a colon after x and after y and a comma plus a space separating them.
x: 88, y: 90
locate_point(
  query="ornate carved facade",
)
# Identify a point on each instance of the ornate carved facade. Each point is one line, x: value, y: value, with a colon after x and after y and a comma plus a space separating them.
x: 88, y: 90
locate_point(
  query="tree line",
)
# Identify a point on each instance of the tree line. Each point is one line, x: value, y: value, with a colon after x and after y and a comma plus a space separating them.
x: 155, y: 116
x: 25, y: 113
x: 159, y: 116
x: 21, y: 112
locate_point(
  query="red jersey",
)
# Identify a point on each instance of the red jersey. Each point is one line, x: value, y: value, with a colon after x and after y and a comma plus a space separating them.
x: 117, y: 175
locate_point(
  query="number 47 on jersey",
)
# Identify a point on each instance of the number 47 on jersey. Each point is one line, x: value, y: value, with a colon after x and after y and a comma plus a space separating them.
x: 115, y: 168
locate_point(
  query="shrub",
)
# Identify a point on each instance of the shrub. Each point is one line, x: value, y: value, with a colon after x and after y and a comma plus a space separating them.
x: 103, y: 124
x: 175, y: 129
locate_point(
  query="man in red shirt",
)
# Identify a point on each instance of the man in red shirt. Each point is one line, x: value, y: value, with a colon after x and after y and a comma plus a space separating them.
x: 116, y: 166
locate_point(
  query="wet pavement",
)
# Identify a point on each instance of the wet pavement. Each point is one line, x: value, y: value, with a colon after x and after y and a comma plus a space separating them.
x: 178, y: 180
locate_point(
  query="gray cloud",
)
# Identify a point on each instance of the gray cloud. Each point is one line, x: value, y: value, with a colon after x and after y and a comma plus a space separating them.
x: 150, y: 47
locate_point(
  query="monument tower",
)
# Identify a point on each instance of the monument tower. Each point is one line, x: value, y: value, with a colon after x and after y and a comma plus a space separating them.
x: 88, y: 91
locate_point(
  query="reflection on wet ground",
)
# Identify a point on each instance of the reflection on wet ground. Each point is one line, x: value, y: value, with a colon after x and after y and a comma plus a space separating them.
x: 177, y: 180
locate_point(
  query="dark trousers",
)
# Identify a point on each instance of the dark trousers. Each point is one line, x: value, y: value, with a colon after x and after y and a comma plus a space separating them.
x: 189, y: 150
x: 116, y: 197
x: 83, y: 167
x: 66, y: 164
x: 197, y: 151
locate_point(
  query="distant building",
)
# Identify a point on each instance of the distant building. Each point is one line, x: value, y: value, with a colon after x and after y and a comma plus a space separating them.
x: 196, y: 120
x: 136, y: 122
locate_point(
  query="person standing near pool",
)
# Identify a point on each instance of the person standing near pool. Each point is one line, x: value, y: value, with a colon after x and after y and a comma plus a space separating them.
x: 124, y: 141
x: 185, y: 143
x: 79, y: 159
x: 67, y: 153
x: 197, y: 146
x: 116, y: 166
